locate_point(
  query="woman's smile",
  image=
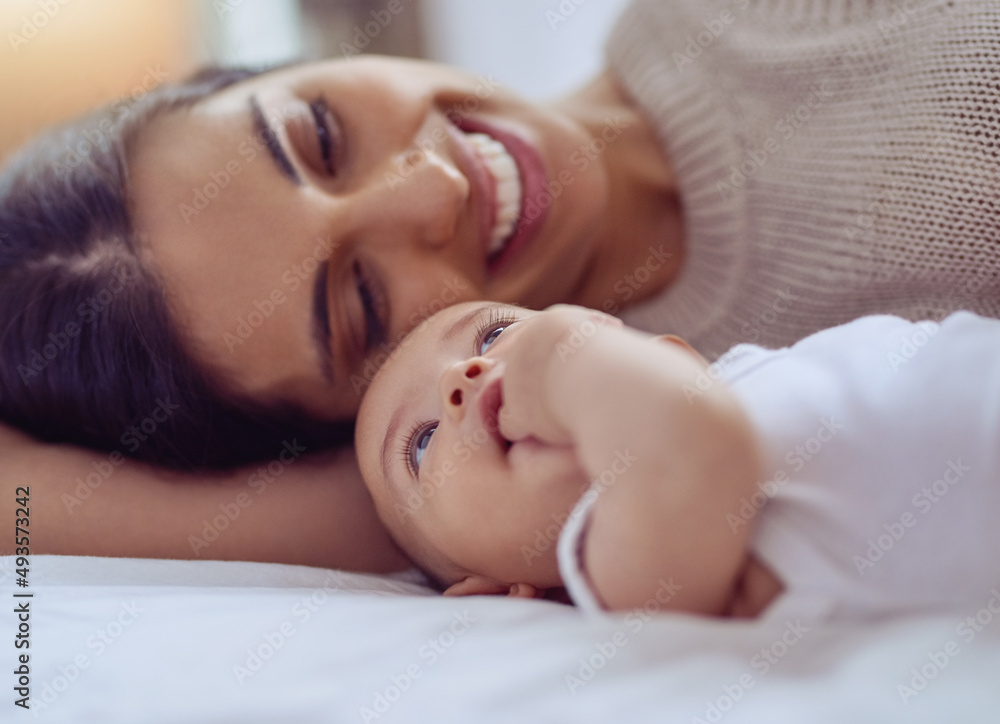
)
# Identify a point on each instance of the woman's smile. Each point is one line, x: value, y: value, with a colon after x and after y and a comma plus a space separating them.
x: 520, y: 168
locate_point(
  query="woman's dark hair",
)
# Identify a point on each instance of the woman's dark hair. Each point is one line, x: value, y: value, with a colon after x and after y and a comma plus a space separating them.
x: 89, y: 353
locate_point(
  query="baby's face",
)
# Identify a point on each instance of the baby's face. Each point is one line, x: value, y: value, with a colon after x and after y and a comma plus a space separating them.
x: 439, y: 470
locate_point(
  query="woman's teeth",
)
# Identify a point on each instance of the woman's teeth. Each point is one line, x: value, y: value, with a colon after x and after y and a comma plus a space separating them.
x: 508, y: 200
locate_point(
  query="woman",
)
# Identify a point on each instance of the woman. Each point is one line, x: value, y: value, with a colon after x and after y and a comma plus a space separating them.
x: 274, y: 236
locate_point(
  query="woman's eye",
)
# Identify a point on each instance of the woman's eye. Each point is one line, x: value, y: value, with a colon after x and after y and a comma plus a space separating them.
x: 375, y: 332
x: 419, y: 445
x: 325, y: 133
x: 490, y: 339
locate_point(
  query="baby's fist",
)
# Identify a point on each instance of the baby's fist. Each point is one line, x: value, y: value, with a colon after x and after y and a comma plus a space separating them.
x: 540, y: 346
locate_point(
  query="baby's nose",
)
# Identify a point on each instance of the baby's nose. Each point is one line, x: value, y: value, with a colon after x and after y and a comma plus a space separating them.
x: 460, y: 381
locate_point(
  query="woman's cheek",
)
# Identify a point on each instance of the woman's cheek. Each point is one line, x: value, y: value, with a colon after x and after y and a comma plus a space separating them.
x: 289, y: 279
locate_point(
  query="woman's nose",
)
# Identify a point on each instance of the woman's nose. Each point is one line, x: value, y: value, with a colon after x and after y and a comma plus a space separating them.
x: 420, y: 197
x: 460, y: 382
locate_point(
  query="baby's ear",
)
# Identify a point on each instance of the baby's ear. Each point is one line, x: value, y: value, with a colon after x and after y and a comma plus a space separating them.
x: 674, y: 339
x: 475, y: 585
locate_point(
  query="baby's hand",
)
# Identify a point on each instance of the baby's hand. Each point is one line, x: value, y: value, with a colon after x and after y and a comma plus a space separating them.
x: 538, y: 348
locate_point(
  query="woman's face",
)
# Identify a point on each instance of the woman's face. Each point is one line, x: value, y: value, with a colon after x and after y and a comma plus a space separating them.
x: 295, y: 258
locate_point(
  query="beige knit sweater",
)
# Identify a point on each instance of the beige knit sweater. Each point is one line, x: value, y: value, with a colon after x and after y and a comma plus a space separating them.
x: 836, y: 158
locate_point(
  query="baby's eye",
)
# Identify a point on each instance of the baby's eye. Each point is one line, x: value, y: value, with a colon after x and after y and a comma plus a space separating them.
x: 489, y: 329
x: 418, y: 445
x: 490, y: 339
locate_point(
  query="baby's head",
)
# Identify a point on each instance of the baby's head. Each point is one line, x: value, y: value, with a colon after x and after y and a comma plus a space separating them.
x: 476, y: 512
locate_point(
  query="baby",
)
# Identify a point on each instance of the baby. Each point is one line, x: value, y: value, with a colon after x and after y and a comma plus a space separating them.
x: 853, y: 475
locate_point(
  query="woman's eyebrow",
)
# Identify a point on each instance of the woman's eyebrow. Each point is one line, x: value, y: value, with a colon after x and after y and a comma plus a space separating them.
x: 262, y: 129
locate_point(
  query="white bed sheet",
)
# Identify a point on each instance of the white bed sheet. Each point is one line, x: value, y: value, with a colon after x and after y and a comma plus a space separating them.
x: 125, y: 640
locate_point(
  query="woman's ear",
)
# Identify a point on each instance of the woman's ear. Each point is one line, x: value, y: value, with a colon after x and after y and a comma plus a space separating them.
x: 674, y: 339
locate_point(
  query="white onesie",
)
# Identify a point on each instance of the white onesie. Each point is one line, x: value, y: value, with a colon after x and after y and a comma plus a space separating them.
x: 882, y: 455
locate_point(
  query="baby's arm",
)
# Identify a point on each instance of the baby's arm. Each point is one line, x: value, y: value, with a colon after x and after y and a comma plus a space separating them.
x: 621, y: 394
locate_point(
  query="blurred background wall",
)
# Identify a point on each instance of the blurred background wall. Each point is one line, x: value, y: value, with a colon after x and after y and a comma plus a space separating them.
x: 59, y: 58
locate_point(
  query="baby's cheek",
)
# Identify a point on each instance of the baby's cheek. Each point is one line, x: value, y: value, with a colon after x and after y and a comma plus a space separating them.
x: 552, y: 470
x: 391, y: 516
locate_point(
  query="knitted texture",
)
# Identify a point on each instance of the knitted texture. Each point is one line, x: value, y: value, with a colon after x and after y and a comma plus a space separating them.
x: 834, y: 159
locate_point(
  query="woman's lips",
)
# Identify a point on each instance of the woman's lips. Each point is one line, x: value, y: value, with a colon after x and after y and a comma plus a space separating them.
x: 484, y: 188
x: 534, y: 183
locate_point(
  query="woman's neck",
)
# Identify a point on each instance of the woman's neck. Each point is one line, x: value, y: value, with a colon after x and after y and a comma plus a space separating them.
x: 639, y: 248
